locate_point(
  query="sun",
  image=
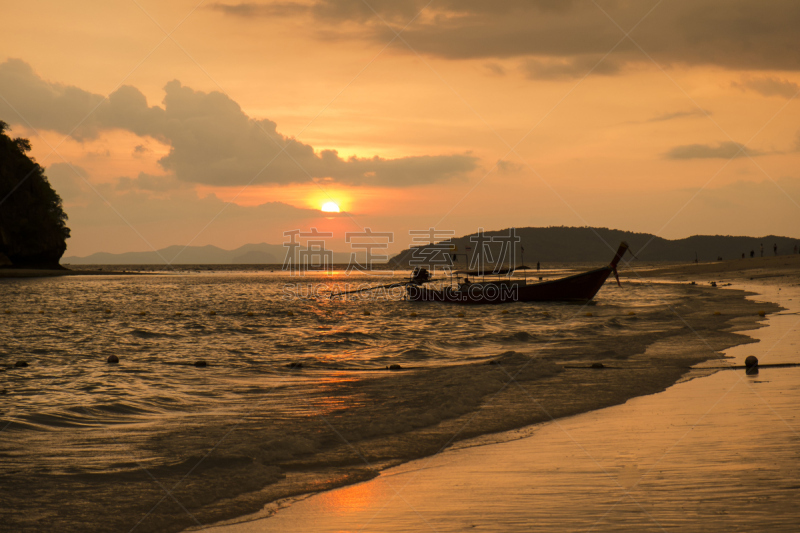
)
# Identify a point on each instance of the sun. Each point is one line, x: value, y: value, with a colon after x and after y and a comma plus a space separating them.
x: 330, y: 207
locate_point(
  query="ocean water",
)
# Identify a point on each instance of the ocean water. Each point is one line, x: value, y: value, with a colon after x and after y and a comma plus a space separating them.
x: 297, y: 394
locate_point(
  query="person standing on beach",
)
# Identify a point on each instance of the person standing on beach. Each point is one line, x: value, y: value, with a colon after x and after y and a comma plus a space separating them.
x: 752, y: 254
x: 775, y: 248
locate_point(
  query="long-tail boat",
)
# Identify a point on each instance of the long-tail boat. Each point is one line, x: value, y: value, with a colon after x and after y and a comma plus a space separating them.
x: 576, y: 288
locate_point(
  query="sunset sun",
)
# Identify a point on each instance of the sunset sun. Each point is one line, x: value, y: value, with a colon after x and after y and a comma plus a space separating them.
x: 330, y: 207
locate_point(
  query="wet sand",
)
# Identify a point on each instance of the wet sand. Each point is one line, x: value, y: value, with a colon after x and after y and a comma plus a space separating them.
x: 716, y: 453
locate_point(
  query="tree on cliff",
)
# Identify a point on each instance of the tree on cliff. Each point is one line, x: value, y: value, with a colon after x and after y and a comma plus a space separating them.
x: 33, y: 228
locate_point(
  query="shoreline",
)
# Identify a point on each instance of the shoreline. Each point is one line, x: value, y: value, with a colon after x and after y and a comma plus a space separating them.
x: 262, y: 520
x: 18, y: 273
x: 759, y: 267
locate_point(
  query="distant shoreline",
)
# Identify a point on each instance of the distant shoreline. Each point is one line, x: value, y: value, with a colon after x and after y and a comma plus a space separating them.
x: 52, y: 273
x: 777, y: 265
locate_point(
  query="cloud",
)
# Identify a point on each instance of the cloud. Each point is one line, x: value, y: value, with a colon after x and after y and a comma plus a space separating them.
x: 496, y: 69
x: 723, y: 150
x: 679, y: 114
x: 162, y: 210
x: 250, y: 9
x: 769, y: 86
x: 28, y: 99
x: 544, y: 69
x: 741, y: 34
x: 212, y: 140
x: 504, y: 166
x: 139, y: 150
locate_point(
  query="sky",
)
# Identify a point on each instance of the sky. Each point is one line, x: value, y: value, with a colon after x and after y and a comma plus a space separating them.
x: 227, y: 123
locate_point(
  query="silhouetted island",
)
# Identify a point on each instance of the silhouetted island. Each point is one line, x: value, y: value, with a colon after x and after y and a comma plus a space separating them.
x: 33, y: 230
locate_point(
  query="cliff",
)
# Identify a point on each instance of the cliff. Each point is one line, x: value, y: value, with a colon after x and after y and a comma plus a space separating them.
x: 33, y: 229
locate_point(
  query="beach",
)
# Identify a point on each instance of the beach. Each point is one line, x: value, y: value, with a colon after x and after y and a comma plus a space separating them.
x: 714, y: 452
x: 296, y: 396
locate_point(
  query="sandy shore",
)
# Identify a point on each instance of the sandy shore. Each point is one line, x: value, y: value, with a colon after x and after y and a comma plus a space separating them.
x: 715, y: 453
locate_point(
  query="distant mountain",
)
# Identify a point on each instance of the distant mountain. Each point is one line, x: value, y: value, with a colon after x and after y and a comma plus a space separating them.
x: 262, y: 253
x: 586, y: 244
x: 548, y: 245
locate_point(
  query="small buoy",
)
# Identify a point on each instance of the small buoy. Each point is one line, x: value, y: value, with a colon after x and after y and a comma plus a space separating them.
x: 212, y: 313
x: 41, y: 311
x: 598, y: 365
x: 200, y: 364
x: 631, y: 313
x: 249, y: 313
x: 73, y: 311
x: 366, y: 313
x: 413, y: 314
x: 112, y: 359
x: 589, y: 314
x: 762, y: 313
x: 20, y: 364
x: 461, y: 315
x: 394, y: 367
x: 751, y: 365
x: 717, y: 313
x: 142, y: 313
x: 694, y: 283
x: 295, y: 365
x: 289, y: 313
x: 504, y: 312
x: 107, y: 311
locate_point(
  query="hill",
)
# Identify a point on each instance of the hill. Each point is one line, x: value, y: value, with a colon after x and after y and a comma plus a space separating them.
x: 249, y: 254
x: 586, y: 244
x: 33, y: 228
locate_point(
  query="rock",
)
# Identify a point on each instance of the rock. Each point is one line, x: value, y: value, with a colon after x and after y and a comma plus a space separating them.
x: 394, y: 367
x: 33, y: 229
x: 598, y: 365
x: 200, y: 364
x: 112, y: 359
x: 20, y: 364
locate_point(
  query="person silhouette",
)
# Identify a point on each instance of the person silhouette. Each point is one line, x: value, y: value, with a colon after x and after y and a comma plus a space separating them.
x: 775, y: 248
x: 752, y: 253
x: 762, y: 249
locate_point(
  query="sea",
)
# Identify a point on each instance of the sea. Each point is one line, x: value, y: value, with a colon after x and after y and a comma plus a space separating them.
x: 236, y: 387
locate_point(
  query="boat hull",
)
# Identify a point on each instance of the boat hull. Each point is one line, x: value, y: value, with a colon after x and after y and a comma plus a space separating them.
x: 578, y: 288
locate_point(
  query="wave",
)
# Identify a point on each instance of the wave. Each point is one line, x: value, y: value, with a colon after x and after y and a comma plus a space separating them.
x: 147, y: 334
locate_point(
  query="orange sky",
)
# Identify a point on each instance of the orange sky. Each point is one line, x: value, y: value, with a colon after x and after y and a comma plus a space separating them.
x: 589, y: 127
